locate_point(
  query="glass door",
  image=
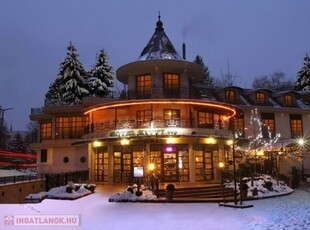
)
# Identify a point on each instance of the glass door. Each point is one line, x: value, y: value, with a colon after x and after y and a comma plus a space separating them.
x: 183, y: 166
x: 101, y: 166
x: 127, y: 167
x: 170, y: 167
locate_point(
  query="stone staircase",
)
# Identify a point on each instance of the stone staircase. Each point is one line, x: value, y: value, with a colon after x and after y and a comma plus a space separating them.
x: 212, y: 192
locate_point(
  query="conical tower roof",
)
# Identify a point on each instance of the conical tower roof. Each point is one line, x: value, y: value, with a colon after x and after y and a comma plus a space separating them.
x: 159, y: 47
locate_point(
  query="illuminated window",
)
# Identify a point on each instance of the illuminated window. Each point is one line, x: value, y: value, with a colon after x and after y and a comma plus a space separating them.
x: 288, y: 100
x: 239, y: 126
x: 46, y: 131
x: 70, y: 127
x: 230, y: 96
x: 171, y: 85
x: 205, y: 120
x: 143, y: 86
x: 144, y: 118
x: 296, y: 125
x: 260, y: 99
x: 172, y: 117
x: 268, y: 121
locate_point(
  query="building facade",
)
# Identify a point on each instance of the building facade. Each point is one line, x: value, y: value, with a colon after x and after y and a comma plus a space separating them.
x: 166, y: 120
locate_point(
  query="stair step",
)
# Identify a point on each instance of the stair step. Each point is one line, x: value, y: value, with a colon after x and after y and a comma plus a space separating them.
x: 208, y: 192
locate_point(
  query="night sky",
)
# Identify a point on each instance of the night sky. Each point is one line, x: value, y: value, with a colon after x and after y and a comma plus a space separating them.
x: 256, y: 38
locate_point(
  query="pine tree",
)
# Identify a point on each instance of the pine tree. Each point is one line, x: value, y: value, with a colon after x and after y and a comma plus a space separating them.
x: 303, y: 77
x: 102, y: 77
x: 52, y: 97
x: 72, y: 79
x: 17, y: 144
x: 207, y: 79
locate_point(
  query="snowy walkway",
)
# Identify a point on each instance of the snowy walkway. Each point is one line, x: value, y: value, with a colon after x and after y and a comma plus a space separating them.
x: 287, y: 212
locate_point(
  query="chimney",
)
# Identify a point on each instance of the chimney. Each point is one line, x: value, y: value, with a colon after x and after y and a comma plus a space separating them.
x: 184, y: 51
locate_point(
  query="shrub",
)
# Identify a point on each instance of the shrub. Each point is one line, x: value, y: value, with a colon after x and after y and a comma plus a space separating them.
x: 69, y: 189
x: 77, y: 187
x: 268, y: 185
x: 90, y: 187
x: 295, y: 177
x: 284, y: 178
x: 170, y: 187
x: 130, y: 189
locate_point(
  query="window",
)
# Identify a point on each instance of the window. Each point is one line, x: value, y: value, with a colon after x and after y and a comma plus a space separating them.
x: 171, y: 85
x: 239, y: 126
x: 288, y: 100
x: 70, y: 127
x: 296, y: 125
x: 230, y: 96
x: 260, y: 99
x: 268, y: 121
x: 46, y: 131
x: 172, y: 117
x: 144, y: 118
x: 43, y: 157
x: 66, y: 160
x: 205, y: 120
x: 143, y: 86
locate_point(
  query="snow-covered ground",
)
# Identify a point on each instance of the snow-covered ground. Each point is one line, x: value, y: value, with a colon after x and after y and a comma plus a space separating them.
x: 257, y: 189
x: 96, y: 212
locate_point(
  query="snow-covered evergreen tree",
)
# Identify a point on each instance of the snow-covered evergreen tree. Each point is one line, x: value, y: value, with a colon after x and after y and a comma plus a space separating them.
x: 72, y: 79
x: 303, y: 77
x: 102, y: 77
x: 17, y: 144
x: 207, y: 79
x: 52, y: 97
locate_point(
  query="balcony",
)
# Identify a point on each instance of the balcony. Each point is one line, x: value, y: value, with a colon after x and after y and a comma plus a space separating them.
x: 106, y: 125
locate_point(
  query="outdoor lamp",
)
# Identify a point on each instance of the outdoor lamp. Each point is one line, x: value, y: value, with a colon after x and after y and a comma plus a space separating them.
x: 151, y: 166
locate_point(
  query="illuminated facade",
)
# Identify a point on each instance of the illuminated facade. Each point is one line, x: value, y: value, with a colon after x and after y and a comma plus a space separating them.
x: 160, y: 122
x: 165, y: 120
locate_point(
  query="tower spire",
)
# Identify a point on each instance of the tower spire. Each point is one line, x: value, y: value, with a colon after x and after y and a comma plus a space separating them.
x: 159, y: 23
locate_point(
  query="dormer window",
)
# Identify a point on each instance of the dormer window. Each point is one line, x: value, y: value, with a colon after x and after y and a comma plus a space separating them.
x: 260, y: 98
x: 288, y: 100
x: 230, y: 96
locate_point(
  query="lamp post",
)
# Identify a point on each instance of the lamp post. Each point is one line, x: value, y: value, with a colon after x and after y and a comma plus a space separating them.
x: 301, y: 143
x: 1, y: 125
x: 221, y: 166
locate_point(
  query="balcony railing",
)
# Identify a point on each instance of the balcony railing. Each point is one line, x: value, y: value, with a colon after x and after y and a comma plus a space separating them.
x: 133, y: 124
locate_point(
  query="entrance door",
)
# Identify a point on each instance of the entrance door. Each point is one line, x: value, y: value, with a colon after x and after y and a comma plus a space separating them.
x: 206, y: 163
x: 170, y: 167
x: 101, y: 167
x: 122, y: 167
x: 127, y: 167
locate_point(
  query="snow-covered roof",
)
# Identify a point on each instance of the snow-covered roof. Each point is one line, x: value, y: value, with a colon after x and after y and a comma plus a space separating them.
x: 159, y: 47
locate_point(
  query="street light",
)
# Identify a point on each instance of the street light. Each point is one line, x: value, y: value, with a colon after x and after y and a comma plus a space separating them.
x: 1, y: 125
x: 301, y: 143
x: 221, y: 166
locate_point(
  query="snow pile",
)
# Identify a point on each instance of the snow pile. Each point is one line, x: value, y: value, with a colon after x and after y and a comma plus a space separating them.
x: 61, y: 193
x: 264, y: 186
x: 70, y: 192
x: 36, y: 197
x: 130, y: 194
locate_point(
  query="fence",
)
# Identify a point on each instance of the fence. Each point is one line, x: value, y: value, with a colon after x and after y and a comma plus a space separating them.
x: 60, y: 179
x: 22, y: 178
